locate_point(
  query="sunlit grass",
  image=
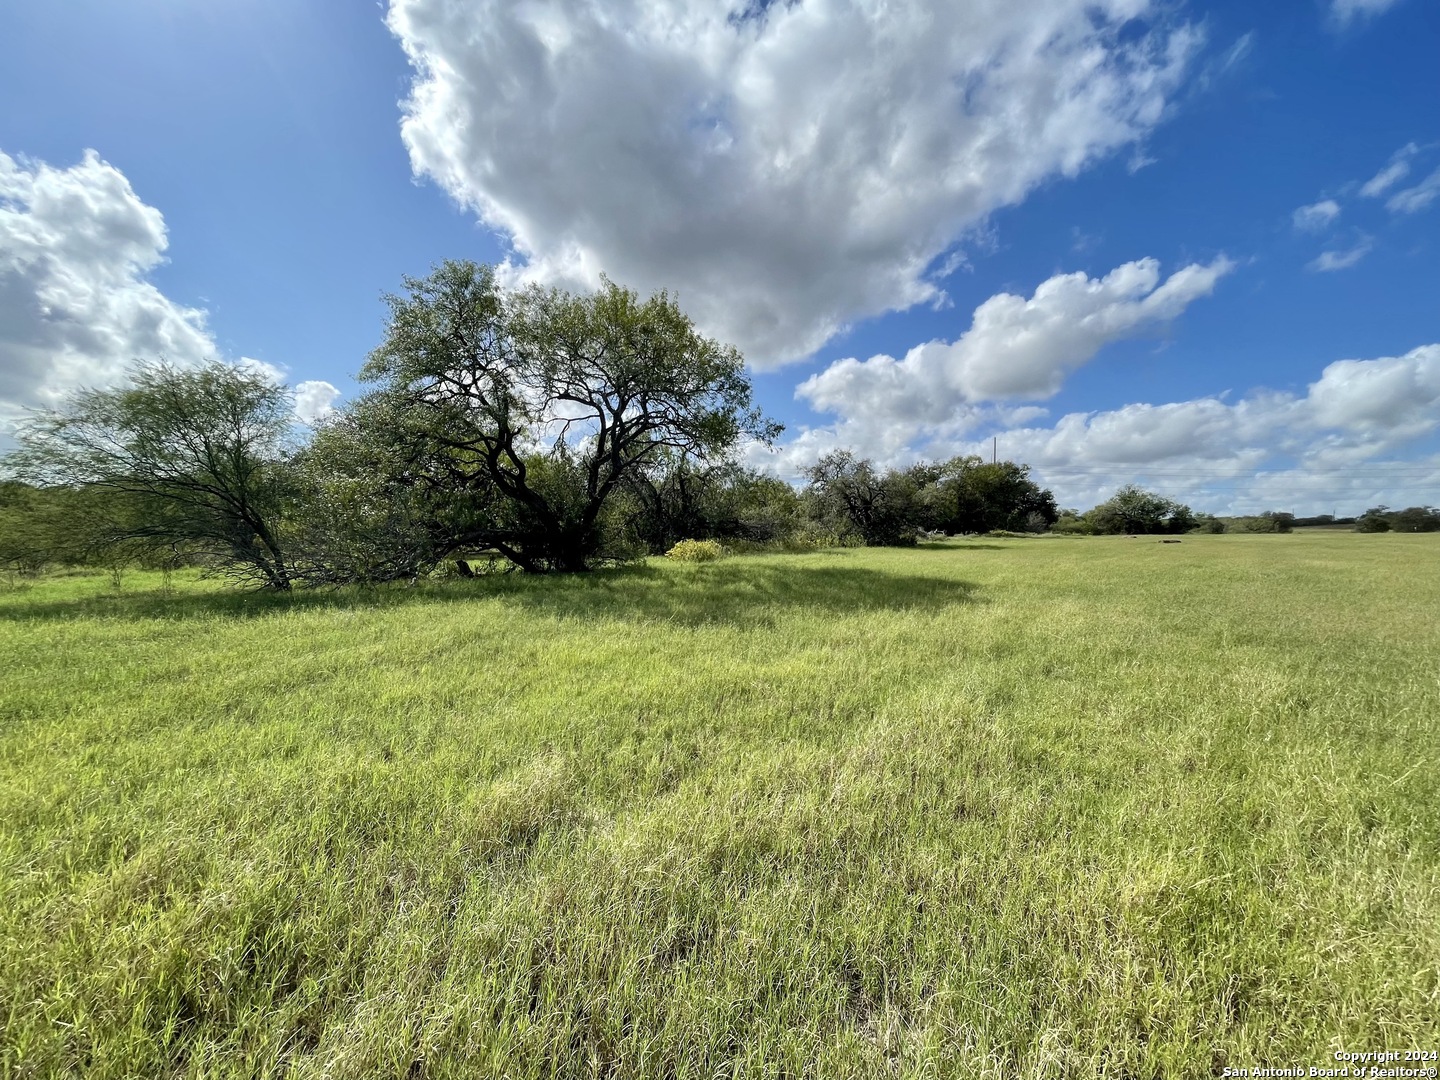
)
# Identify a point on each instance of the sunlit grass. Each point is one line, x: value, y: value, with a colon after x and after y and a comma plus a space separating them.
x: 995, y: 808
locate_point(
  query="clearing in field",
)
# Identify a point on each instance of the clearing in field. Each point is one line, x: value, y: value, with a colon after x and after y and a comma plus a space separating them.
x: 1040, y: 808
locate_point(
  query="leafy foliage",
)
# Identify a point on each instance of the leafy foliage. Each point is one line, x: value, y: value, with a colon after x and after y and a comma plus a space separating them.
x: 695, y: 551
x: 971, y: 495
x: 675, y: 498
x: 522, y: 416
x: 1411, y: 519
x: 849, y: 495
x: 1416, y: 519
x: 179, y: 458
x: 1132, y: 509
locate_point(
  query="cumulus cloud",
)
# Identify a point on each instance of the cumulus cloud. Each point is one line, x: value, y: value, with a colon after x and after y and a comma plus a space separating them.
x: 1392, y: 397
x: 1317, y: 216
x: 788, y: 168
x: 1333, y: 444
x: 1343, y: 258
x: 75, y: 306
x: 315, y: 400
x: 1361, y: 406
x: 1015, y: 348
x: 1416, y: 198
x: 1395, y: 170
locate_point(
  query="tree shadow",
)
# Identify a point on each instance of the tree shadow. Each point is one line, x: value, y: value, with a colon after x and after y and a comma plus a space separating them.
x: 735, y: 594
x: 729, y: 592
x: 957, y: 544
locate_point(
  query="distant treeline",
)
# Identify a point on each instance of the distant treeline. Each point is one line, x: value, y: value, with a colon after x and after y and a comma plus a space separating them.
x: 1376, y: 519
x: 529, y: 429
x: 1411, y: 519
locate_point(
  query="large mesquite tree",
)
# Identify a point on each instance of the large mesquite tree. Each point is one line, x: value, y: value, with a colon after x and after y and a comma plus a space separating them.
x: 522, y: 413
x: 852, y: 497
x: 1132, y: 509
x: 971, y: 495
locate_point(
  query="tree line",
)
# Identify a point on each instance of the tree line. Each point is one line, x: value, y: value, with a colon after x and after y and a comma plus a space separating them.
x: 534, y: 428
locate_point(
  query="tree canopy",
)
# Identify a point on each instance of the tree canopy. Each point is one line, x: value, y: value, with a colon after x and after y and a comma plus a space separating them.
x: 971, y: 495
x: 1132, y: 509
x: 177, y: 457
x: 852, y: 497
x: 522, y: 414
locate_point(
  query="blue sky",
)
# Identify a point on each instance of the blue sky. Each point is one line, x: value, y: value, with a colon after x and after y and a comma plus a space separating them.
x: 1193, y: 245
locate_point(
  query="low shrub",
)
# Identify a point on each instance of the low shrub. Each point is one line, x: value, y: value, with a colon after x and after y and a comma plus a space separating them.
x: 792, y: 545
x: 696, y: 551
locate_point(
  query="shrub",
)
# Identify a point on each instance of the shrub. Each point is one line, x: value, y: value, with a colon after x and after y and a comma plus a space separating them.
x: 1134, y: 510
x: 1415, y: 519
x: 1205, y: 523
x: 1256, y: 524
x: 695, y: 551
x: 792, y: 545
x: 1070, y: 524
x: 1373, y: 521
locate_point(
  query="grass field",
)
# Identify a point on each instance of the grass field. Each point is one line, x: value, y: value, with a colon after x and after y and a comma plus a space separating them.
x: 1034, y: 808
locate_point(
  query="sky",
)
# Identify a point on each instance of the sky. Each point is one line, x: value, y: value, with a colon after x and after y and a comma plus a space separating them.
x: 1193, y: 246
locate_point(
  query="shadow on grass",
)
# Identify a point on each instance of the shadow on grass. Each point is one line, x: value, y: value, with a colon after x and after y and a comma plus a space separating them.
x: 942, y: 547
x: 729, y: 592
x: 734, y: 594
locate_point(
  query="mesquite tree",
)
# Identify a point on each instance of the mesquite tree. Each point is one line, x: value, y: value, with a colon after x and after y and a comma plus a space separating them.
x: 176, y: 457
x: 524, y: 412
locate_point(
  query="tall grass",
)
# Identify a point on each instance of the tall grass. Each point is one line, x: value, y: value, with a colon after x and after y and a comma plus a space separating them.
x: 991, y: 809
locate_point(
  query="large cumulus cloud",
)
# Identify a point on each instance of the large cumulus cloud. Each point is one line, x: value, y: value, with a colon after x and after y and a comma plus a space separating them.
x: 789, y: 168
x: 76, y: 307
x: 1016, y: 347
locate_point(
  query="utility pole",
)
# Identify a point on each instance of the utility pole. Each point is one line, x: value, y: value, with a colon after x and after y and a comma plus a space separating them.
x: 994, y: 449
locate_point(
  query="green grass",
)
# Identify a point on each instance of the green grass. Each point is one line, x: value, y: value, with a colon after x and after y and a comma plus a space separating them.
x: 981, y: 809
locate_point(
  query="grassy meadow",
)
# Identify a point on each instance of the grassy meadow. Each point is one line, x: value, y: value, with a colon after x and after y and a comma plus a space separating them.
x: 986, y: 808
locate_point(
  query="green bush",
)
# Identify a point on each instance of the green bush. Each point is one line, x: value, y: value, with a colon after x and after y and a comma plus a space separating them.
x: 792, y: 545
x: 696, y: 551
x: 1072, y: 525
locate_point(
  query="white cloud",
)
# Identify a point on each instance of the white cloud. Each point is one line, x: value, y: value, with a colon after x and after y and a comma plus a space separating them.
x: 75, y: 306
x: 1396, y: 170
x: 1242, y: 48
x: 315, y: 400
x: 1317, y: 216
x: 1395, y: 397
x: 1015, y: 348
x: 1334, y: 447
x: 1343, y: 11
x: 787, y: 169
x: 1342, y: 259
x: 1363, y: 407
x: 1335, y: 444
x: 265, y: 370
x: 1416, y: 198
x: 1218, y: 67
